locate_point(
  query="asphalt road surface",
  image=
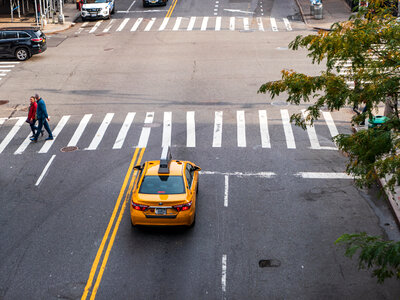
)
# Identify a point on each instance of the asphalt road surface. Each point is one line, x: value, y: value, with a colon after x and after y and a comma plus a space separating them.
x: 273, y: 198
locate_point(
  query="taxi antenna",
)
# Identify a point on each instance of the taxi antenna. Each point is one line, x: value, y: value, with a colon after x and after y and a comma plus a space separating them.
x: 165, y: 160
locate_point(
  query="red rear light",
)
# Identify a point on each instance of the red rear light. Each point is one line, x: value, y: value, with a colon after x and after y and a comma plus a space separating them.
x: 37, y: 39
x: 139, y: 206
x: 183, y: 207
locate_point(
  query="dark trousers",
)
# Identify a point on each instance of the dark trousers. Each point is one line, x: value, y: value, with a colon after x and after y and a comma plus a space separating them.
x: 33, y: 127
x: 43, y: 122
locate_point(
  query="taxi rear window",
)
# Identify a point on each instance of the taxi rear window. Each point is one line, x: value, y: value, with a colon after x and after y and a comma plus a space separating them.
x: 162, y: 185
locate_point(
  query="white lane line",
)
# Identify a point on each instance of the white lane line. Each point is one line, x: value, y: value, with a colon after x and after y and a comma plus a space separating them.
x: 12, y: 133
x: 133, y: 2
x: 217, y: 137
x: 45, y: 170
x: 100, y: 132
x: 218, y: 23
x: 265, y: 140
x: 241, y: 128
x: 7, y: 66
x: 107, y: 29
x: 287, y: 24
x: 177, y: 24
x: 45, y: 148
x: 167, y: 129
x: 150, y: 24
x: 123, y: 23
x: 246, y: 24
x: 163, y: 24
x: 240, y: 174
x: 312, y: 135
x: 226, y: 192
x: 119, y: 141
x: 287, y: 127
x: 24, y: 145
x: 94, y: 28
x: 323, y: 175
x: 136, y: 25
x: 1, y: 74
x: 260, y: 24
x: 204, y: 24
x: 329, y: 122
x: 79, y: 130
x: 145, y: 134
x: 5, y: 70
x: 191, y: 129
x: 232, y: 23
x: 191, y: 23
x: 273, y: 24
x: 223, y: 275
x: 6, y: 62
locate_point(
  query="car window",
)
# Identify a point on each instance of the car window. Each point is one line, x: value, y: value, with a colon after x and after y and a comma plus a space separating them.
x: 101, y: 1
x: 162, y: 185
x: 189, y: 175
x: 9, y: 35
x: 38, y: 33
x: 23, y: 35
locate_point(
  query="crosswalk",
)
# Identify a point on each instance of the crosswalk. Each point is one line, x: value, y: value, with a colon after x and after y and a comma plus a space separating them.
x: 190, y: 24
x: 6, y: 67
x: 191, y: 129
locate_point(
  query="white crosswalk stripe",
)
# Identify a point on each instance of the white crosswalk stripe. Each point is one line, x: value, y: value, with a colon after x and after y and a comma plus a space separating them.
x: 287, y: 24
x: 107, y: 29
x: 136, y: 25
x: 163, y: 24
x: 177, y: 23
x: 260, y: 24
x: 94, y: 28
x: 246, y: 24
x: 218, y: 23
x: 204, y: 24
x: 6, y: 68
x: 124, y: 22
x: 232, y: 23
x: 273, y: 24
x: 252, y: 128
x: 150, y: 24
x: 191, y: 23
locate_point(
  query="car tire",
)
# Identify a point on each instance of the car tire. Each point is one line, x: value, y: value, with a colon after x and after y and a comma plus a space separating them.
x: 22, y: 54
x: 113, y: 10
x: 83, y: 19
x: 144, y: 4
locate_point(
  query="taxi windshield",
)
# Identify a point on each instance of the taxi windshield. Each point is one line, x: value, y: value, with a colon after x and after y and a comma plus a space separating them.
x: 162, y: 185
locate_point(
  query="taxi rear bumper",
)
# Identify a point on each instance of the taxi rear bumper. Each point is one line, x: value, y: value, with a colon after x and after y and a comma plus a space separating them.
x: 183, y: 218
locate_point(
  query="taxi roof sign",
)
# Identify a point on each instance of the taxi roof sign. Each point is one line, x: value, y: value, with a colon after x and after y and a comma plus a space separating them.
x: 165, y: 160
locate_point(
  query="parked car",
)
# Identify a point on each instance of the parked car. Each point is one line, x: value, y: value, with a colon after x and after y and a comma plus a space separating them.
x: 154, y: 2
x: 21, y: 42
x: 97, y: 9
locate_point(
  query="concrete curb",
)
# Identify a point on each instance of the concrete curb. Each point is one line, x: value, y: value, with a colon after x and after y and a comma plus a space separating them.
x: 63, y: 27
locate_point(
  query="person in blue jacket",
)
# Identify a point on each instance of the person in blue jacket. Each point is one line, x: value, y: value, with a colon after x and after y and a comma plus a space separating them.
x: 42, y: 117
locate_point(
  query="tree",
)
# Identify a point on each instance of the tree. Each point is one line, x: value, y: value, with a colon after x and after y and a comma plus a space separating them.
x: 364, y: 50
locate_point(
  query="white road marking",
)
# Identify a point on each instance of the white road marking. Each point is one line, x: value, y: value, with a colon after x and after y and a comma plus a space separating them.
x: 167, y: 129
x: 123, y: 23
x: 322, y: 175
x: 5, y: 70
x: 6, y: 62
x: 287, y: 24
x: 273, y: 24
x: 265, y: 140
x: 24, y: 145
x: 136, y: 25
x: 7, y: 66
x: 329, y: 122
x: 241, y: 128
x: 107, y: 29
x: 1, y: 74
x: 94, y: 28
x: 129, y: 8
x: 177, y: 23
x: 79, y: 130
x: 226, y: 193
x: 12, y: 133
x: 288, y: 129
x: 145, y: 134
x: 232, y: 23
x: 239, y: 11
x: 45, y: 148
x: 45, y: 170
x: 218, y: 23
x: 191, y: 23
x: 163, y: 24
x: 150, y: 24
x: 217, y: 137
x: 223, y: 276
x: 124, y: 130
x: 204, y: 24
x: 191, y: 129
x: 240, y: 174
x: 2, y: 120
x: 260, y: 24
x: 100, y: 132
x: 246, y: 24
x: 312, y: 135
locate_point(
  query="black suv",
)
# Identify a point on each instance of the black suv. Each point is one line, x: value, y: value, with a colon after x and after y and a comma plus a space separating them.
x: 21, y: 42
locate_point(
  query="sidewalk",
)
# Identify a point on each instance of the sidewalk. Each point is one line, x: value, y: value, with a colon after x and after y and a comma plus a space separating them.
x: 333, y: 11
x: 70, y: 16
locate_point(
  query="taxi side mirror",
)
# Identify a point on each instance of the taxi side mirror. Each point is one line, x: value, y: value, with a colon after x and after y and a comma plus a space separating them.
x: 138, y: 167
x: 196, y: 168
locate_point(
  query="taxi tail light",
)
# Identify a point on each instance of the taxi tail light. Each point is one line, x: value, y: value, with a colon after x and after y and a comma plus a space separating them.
x: 183, y: 207
x: 139, y: 206
x: 39, y: 39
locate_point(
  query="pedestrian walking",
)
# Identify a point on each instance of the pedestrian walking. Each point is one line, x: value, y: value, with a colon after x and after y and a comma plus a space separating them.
x: 31, y: 120
x: 42, y: 117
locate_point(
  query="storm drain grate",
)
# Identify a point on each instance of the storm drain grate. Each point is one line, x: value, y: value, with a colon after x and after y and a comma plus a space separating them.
x: 69, y: 149
x: 269, y: 263
x: 2, y: 102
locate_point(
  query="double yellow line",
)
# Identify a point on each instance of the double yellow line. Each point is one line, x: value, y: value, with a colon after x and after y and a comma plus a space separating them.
x: 171, y: 9
x: 111, y: 224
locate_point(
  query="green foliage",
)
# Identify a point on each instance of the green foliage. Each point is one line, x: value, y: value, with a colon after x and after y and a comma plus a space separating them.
x: 375, y: 253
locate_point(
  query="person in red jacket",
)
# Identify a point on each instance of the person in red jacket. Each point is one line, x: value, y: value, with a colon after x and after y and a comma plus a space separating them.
x: 32, y: 116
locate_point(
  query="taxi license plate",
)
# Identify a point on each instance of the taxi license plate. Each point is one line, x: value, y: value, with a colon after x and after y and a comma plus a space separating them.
x: 161, y: 211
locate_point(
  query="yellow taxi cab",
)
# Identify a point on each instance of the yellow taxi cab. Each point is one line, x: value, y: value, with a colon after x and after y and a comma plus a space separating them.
x: 165, y: 192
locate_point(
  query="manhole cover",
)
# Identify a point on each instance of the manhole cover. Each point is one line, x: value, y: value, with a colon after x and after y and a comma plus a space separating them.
x: 269, y: 263
x: 69, y: 149
x: 3, y: 102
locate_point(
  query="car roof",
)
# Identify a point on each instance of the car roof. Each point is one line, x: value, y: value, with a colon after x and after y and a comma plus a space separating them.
x: 19, y: 28
x: 175, y: 168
